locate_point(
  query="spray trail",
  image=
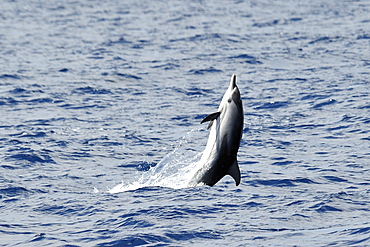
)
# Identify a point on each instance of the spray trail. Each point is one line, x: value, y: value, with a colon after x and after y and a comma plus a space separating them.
x: 175, y: 170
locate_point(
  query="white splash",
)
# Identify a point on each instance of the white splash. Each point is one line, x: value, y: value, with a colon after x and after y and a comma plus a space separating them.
x: 175, y: 170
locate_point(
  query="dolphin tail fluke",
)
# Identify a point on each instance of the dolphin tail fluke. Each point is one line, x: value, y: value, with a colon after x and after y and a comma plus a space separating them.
x: 234, y: 172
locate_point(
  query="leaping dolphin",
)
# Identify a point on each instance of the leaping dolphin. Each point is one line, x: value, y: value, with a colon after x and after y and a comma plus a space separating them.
x: 219, y: 156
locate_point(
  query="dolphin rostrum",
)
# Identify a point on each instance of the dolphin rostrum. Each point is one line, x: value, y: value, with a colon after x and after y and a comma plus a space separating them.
x: 219, y: 157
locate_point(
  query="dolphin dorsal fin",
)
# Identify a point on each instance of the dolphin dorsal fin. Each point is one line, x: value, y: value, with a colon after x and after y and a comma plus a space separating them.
x: 234, y: 172
x: 211, y: 117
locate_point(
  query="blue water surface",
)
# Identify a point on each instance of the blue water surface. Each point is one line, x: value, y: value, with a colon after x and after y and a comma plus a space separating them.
x: 100, y: 105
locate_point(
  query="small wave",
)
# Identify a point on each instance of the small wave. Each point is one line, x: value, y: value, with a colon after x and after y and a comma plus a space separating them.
x: 325, y: 39
x: 282, y: 163
x: 266, y: 24
x: 246, y: 58
x: 166, y: 66
x: 325, y: 103
x: 120, y: 41
x: 90, y: 90
x: 204, y: 71
x: 8, y: 76
x: 63, y: 70
x: 324, y: 208
x: 14, y: 191
x: 129, y: 76
x: 23, y: 134
x: 32, y: 158
x: 137, y: 240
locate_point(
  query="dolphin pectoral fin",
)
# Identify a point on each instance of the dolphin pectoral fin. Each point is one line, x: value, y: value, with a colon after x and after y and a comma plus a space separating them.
x: 210, y: 125
x: 211, y: 117
x: 234, y: 172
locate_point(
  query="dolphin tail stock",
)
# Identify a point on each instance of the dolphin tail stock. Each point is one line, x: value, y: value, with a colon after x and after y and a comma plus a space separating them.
x: 234, y: 172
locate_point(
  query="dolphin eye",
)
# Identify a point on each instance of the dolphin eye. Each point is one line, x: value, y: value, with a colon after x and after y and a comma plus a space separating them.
x: 229, y: 100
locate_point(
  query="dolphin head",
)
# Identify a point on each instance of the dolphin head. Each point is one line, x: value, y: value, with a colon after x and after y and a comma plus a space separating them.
x: 232, y: 94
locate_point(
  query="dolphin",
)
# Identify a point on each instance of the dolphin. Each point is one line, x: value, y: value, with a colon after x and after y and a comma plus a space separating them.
x: 219, y: 158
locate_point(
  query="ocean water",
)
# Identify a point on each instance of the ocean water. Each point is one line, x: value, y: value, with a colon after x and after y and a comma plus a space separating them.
x: 100, y: 110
